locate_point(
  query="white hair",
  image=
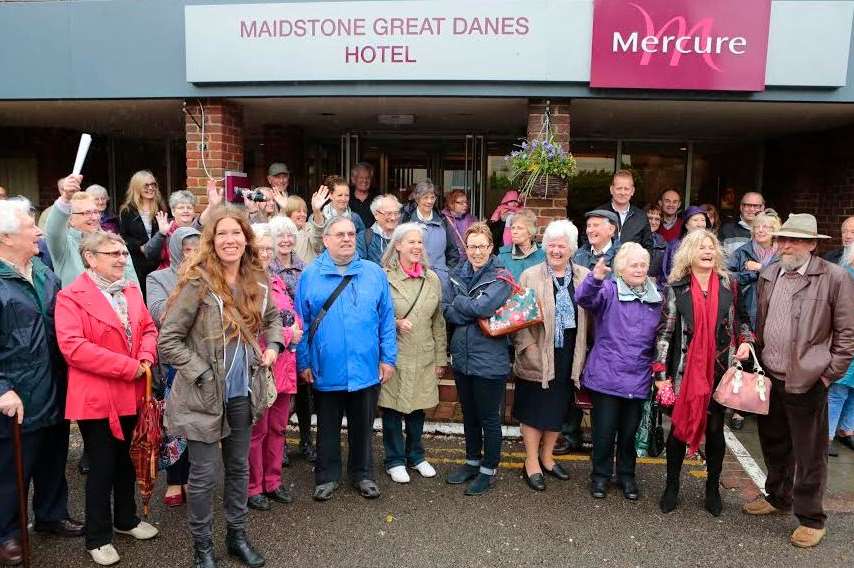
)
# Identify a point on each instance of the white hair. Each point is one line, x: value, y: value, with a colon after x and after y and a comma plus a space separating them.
x: 562, y: 229
x: 391, y: 257
x: 628, y: 251
x: 10, y: 214
x: 262, y: 230
x: 183, y: 196
x: 327, y: 229
x: 380, y: 199
x: 281, y: 225
x: 96, y: 190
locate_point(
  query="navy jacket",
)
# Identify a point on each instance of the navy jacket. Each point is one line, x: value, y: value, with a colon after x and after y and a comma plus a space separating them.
x: 30, y: 361
x: 468, y: 296
x: 746, y: 279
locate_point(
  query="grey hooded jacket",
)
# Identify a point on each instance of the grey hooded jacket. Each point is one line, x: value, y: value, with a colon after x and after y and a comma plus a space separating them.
x: 160, y: 283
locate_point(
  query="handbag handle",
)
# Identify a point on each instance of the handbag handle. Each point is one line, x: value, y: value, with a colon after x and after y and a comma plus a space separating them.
x: 757, y: 367
x: 508, y: 277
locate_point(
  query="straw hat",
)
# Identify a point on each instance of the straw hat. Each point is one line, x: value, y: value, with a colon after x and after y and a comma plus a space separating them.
x: 800, y: 226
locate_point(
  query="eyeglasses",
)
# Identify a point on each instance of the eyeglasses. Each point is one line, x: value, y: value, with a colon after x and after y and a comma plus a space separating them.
x: 115, y: 254
x: 753, y: 205
x: 87, y: 213
x: 478, y: 248
x: 342, y: 236
x: 389, y: 213
x: 152, y: 184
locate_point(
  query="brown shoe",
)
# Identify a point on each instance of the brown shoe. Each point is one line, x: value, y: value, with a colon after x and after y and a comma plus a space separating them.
x: 761, y: 507
x: 807, y: 537
x: 10, y: 552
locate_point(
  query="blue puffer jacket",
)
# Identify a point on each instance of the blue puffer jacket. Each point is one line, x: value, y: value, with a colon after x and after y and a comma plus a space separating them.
x: 746, y: 279
x: 30, y: 361
x: 358, y: 332
x: 371, y: 244
x: 469, y: 295
x: 620, y: 363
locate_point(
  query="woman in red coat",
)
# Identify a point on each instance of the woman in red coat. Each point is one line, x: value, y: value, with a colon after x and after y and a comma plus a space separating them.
x: 109, y: 339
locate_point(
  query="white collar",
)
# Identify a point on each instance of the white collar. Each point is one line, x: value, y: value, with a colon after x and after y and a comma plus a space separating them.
x: 605, y: 249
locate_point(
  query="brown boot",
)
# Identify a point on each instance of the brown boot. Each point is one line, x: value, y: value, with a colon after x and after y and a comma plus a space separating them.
x: 807, y: 537
x: 761, y: 507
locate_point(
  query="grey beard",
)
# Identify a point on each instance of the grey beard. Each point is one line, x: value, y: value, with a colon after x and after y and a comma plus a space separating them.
x: 791, y: 263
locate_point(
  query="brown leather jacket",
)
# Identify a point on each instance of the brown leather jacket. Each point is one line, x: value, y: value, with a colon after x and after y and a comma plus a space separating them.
x: 822, y: 320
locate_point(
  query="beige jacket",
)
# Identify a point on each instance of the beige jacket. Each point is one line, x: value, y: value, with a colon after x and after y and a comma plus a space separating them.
x: 535, y: 353
x: 415, y: 385
x: 309, y: 243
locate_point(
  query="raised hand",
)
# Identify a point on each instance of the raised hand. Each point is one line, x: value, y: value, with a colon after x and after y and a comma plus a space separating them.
x: 214, y: 194
x: 279, y: 198
x: 162, y: 221
x: 69, y: 185
x: 319, y: 198
x: 601, y: 270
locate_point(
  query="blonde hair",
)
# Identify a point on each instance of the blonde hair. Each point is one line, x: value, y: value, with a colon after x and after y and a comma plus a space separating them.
x: 478, y: 229
x: 764, y: 218
x: 627, y: 251
x: 295, y: 203
x: 133, y: 197
x: 688, y: 250
x: 82, y: 196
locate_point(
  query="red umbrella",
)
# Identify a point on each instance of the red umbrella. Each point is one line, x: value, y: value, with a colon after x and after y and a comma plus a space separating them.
x: 145, y: 445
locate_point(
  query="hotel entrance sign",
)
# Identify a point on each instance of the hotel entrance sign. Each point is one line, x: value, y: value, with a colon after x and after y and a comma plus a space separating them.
x: 441, y: 40
x: 680, y: 44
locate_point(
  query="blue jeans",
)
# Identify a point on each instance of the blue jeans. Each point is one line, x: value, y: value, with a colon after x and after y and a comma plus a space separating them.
x: 397, y: 451
x: 481, y: 400
x: 840, y: 409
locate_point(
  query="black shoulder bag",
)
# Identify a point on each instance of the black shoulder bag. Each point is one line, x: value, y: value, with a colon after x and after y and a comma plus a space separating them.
x: 326, y: 305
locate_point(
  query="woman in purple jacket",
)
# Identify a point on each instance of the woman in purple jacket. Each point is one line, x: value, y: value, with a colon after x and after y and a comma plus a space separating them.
x: 618, y: 374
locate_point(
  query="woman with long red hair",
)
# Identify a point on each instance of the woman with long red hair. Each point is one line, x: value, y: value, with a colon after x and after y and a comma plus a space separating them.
x: 221, y: 306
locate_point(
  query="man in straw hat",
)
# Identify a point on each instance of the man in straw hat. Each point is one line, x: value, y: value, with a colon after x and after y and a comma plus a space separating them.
x: 805, y: 333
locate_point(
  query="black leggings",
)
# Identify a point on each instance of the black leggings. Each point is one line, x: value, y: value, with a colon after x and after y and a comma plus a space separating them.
x: 715, y: 446
x: 303, y: 406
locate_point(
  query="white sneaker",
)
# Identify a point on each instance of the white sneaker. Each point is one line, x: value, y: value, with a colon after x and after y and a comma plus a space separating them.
x: 425, y: 469
x: 142, y: 531
x: 104, y: 555
x: 398, y: 474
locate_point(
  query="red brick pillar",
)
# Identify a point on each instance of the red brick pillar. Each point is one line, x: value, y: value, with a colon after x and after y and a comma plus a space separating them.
x: 222, y: 144
x: 548, y: 210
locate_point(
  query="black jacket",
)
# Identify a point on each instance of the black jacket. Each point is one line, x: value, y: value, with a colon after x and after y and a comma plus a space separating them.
x: 30, y: 361
x: 833, y: 256
x: 132, y: 230
x: 363, y: 208
x: 635, y: 229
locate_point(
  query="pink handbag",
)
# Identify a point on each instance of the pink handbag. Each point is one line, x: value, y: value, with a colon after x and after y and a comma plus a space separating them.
x: 743, y: 391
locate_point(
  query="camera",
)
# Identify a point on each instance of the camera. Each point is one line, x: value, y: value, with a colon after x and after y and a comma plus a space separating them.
x: 254, y: 195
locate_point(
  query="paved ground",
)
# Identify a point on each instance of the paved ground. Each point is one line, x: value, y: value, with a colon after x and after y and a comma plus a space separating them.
x: 430, y: 524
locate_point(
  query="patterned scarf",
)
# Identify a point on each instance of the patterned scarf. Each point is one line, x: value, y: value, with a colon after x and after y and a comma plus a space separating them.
x: 119, y: 302
x: 564, y: 308
x: 765, y: 255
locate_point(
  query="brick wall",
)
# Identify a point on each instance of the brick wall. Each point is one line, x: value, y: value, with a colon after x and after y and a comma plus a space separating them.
x: 813, y: 173
x: 224, y: 143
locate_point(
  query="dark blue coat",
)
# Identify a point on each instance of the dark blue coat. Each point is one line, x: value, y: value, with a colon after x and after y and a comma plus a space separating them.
x: 371, y: 245
x: 468, y: 296
x: 30, y: 361
x: 746, y: 279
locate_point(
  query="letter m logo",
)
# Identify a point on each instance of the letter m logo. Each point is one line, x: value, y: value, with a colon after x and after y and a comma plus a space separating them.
x: 703, y: 28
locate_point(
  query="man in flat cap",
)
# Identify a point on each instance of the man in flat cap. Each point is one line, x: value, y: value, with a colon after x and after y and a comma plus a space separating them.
x: 805, y: 337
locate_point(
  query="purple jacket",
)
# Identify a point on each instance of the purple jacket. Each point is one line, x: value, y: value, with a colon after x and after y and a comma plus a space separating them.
x: 620, y: 362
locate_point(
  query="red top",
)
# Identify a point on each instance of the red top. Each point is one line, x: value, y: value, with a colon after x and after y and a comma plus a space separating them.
x: 673, y: 232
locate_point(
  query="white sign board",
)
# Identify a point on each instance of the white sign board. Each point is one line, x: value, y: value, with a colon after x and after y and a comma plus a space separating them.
x: 442, y: 40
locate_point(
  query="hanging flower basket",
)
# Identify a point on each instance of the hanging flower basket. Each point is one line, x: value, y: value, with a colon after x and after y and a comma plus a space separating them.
x: 540, y: 167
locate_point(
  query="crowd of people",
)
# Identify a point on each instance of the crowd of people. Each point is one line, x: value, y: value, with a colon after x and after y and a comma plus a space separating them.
x: 248, y: 312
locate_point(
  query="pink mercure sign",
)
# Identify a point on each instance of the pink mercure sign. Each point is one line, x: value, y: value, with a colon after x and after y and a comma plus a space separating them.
x: 709, y: 45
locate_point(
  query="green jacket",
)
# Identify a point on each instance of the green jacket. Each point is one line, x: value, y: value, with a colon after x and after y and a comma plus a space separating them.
x: 63, y: 243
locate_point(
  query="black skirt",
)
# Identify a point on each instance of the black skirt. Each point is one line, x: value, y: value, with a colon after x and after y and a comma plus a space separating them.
x: 546, y: 409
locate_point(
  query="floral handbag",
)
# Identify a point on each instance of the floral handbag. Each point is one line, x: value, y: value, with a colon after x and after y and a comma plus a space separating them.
x: 521, y: 310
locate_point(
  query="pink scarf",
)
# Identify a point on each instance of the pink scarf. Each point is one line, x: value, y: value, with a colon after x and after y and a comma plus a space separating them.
x: 415, y: 271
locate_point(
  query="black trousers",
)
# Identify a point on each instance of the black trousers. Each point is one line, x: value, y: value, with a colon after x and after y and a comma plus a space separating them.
x: 614, y: 418
x: 111, y: 473
x: 303, y: 407
x: 715, y: 447
x: 44, y: 453
x: 360, y: 408
x: 481, y: 400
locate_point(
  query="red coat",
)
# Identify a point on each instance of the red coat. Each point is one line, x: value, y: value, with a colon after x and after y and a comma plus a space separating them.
x: 102, y: 369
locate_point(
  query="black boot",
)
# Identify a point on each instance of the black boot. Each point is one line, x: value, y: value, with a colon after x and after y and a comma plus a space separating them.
x: 670, y: 495
x: 203, y: 554
x: 238, y: 546
x: 713, y: 503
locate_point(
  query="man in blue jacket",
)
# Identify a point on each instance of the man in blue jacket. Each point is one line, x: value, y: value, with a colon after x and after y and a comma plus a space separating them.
x: 349, y: 350
x: 32, y: 384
